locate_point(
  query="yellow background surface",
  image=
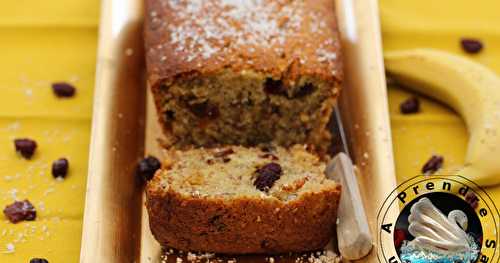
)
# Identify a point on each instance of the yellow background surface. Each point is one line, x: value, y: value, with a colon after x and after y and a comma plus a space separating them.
x: 46, y: 41
x: 43, y: 42
x: 436, y: 129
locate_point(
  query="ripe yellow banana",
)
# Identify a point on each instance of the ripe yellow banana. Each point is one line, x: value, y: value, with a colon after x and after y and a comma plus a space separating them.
x: 469, y: 88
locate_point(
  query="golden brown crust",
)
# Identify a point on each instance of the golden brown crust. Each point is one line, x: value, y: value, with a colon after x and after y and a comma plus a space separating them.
x: 298, y: 38
x: 244, y: 225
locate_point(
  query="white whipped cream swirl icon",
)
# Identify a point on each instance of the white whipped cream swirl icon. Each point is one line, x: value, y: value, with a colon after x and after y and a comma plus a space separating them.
x: 436, y: 232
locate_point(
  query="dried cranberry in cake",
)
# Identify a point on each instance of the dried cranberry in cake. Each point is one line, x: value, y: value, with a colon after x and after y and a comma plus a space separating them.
x: 169, y: 115
x: 204, y: 110
x: 20, y: 211
x: 410, y: 105
x: 26, y: 147
x: 433, y: 164
x: 275, y: 109
x: 471, y: 46
x: 305, y: 90
x: 267, y: 175
x: 38, y: 260
x: 147, y: 167
x: 274, y: 87
x: 63, y: 89
x: 60, y: 168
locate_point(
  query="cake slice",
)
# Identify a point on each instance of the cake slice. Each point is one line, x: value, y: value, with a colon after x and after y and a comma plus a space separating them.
x: 243, y: 72
x: 241, y: 200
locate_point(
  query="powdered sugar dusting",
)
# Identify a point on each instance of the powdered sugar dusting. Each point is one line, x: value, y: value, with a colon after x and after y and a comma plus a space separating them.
x: 249, y: 22
x: 203, y: 29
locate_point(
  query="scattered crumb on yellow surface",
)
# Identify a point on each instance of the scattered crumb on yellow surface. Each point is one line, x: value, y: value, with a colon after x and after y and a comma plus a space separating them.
x: 43, y: 42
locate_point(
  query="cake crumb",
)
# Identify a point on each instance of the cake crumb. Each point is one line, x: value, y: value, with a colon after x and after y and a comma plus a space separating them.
x: 74, y: 78
x: 325, y: 256
x: 129, y: 52
x: 191, y: 256
x: 10, y: 248
x: 28, y: 92
x: 14, y: 126
x: 48, y: 191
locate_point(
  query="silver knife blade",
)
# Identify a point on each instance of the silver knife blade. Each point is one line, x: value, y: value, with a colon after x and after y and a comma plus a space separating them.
x: 340, y: 130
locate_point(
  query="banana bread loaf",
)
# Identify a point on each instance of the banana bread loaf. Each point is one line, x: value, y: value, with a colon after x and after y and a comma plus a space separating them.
x: 241, y: 200
x: 243, y: 71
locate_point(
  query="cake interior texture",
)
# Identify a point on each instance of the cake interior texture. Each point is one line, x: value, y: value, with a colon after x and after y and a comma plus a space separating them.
x: 246, y: 108
x: 231, y: 172
x: 241, y: 200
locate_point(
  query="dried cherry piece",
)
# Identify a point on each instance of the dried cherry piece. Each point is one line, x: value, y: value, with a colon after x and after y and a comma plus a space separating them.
x: 267, y: 175
x: 410, y: 105
x: 275, y: 87
x: 147, y: 167
x: 471, y: 46
x: 169, y: 115
x: 60, y: 168
x: 433, y: 164
x: 305, y: 90
x: 20, y: 211
x: 25, y: 146
x: 204, y: 110
x: 63, y: 89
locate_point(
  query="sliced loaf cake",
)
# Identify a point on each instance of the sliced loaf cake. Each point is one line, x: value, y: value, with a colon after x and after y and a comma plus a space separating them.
x: 241, y: 200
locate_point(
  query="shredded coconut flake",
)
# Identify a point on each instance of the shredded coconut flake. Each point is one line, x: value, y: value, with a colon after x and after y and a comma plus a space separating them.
x: 220, y: 25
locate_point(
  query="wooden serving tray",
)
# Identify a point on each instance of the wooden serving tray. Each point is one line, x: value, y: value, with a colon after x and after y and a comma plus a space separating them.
x: 124, y: 128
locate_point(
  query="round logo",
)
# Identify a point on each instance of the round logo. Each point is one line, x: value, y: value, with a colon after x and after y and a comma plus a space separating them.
x: 438, y: 219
